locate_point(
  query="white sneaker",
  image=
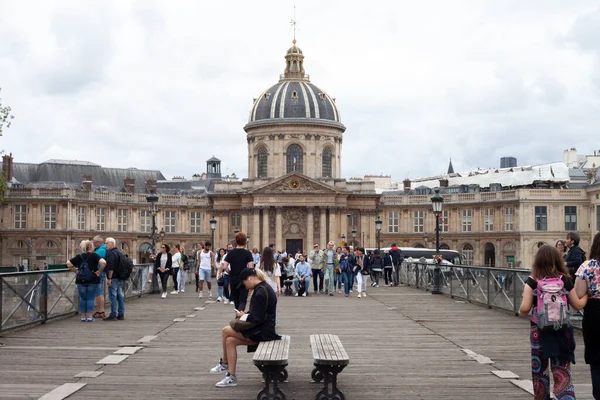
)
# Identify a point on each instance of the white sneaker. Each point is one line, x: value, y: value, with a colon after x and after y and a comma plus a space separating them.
x: 297, y: 294
x: 219, y: 368
x: 226, y: 301
x: 200, y: 295
x: 228, y: 381
x: 182, y: 291
x: 359, y: 295
x: 175, y: 292
x: 219, y: 298
x: 304, y: 294
x: 210, y: 297
x: 163, y: 296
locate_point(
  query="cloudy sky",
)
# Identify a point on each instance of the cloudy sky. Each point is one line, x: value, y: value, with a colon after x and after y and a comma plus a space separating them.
x: 167, y: 84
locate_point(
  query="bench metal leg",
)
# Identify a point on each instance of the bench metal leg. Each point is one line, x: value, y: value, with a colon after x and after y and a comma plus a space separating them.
x: 328, y: 373
x: 272, y: 376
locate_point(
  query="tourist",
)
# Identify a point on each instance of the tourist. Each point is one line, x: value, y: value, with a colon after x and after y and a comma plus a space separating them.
x: 388, y: 266
x: 114, y: 282
x: 175, y: 264
x: 255, y: 256
x: 200, y: 247
x: 88, y: 266
x: 329, y: 260
x: 271, y: 269
x: 263, y: 313
x: 162, y: 266
x: 376, y: 266
x: 236, y: 260
x: 561, y: 246
x: 397, y: 260
x: 205, y: 269
x: 183, y: 270
x: 314, y: 259
x: 298, y: 254
x: 351, y: 264
x: 222, y: 277
x: 100, y: 249
x: 588, y: 282
x: 574, y: 257
x: 344, y: 267
x: 302, y: 274
x: 362, y: 272
x: 550, y: 347
x: 337, y: 271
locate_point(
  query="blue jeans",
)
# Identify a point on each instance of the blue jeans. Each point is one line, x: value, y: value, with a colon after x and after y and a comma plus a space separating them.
x: 117, y: 298
x: 306, y: 283
x: 337, y: 280
x: 348, y: 280
x: 87, y: 295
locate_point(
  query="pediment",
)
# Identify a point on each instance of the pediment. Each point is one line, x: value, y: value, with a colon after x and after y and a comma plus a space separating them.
x: 294, y: 183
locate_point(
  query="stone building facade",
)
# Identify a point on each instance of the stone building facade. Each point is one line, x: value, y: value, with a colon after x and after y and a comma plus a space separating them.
x: 294, y: 196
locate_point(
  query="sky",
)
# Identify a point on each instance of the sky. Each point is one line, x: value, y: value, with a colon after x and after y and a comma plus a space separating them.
x: 165, y: 85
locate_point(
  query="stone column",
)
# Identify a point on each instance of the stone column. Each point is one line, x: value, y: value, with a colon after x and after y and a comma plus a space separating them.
x: 278, y: 229
x: 256, y: 230
x: 265, y: 229
x: 323, y: 233
x: 373, y: 241
x: 364, y: 229
x: 344, y: 224
x: 310, y: 240
x: 244, y: 226
x: 333, y: 228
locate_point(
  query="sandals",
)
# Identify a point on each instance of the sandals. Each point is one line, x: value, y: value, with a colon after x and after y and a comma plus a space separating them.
x: 99, y: 314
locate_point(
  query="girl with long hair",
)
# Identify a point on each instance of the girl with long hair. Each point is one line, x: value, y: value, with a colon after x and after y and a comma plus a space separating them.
x: 271, y: 269
x: 553, y: 347
x: 162, y: 264
x: 221, y: 273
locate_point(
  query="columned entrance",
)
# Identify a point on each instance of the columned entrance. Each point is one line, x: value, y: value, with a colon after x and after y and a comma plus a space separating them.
x: 293, y: 245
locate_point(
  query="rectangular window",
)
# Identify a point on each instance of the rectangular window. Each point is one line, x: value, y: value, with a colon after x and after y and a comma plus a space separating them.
x: 393, y: 217
x: 467, y: 220
x: 170, y: 221
x: 488, y: 220
x: 541, y: 218
x: 20, y: 216
x: 445, y: 221
x: 122, y: 220
x: 100, y: 219
x: 146, y: 221
x: 195, y: 220
x: 418, y: 221
x: 570, y: 218
x: 509, y: 212
x: 81, y: 218
x: 49, y: 217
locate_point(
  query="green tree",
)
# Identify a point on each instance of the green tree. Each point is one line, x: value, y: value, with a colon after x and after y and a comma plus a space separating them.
x: 5, y: 116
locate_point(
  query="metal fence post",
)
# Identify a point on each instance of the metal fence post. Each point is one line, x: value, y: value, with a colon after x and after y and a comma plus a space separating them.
x: 514, y: 288
x: 469, y: 276
x: 451, y: 283
x: 1, y: 295
x: 489, y: 296
x: 44, y: 298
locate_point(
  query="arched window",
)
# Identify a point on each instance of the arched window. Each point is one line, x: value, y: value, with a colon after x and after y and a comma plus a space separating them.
x: 444, y: 246
x: 294, y: 159
x: 467, y: 252
x: 326, y: 162
x: 261, y: 168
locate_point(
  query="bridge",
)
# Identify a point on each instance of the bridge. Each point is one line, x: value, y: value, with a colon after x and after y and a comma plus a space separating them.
x: 403, y: 341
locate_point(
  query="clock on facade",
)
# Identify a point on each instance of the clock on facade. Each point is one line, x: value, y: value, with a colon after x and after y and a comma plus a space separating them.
x: 294, y: 184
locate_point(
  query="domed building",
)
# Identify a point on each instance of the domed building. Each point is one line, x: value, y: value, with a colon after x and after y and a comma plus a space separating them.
x: 294, y: 126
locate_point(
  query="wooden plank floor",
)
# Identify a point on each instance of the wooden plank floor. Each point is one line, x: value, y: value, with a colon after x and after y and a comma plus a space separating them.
x: 403, y: 343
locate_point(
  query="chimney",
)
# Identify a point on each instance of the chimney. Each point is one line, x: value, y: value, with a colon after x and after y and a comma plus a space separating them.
x: 7, y: 167
x: 443, y: 183
x: 87, y: 182
x: 151, y: 185
x: 129, y: 185
x: 406, y: 185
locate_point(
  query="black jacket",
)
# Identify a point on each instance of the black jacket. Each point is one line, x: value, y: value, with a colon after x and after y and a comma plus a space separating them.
x: 112, y: 260
x: 157, y: 262
x: 574, y: 259
x: 263, y: 312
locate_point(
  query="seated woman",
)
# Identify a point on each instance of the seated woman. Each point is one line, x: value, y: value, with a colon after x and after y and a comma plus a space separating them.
x: 263, y: 310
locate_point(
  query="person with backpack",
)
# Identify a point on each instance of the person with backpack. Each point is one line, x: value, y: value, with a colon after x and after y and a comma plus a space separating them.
x: 376, y: 267
x: 88, y: 267
x: 388, y: 266
x: 397, y: 260
x: 588, y: 283
x: 115, y: 278
x: 575, y: 257
x: 548, y: 292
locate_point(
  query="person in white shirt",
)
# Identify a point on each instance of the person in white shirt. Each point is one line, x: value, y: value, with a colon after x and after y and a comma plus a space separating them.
x: 271, y: 269
x: 175, y: 268
x: 205, y: 268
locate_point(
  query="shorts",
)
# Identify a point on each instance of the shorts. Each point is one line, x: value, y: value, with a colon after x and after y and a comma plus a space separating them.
x: 204, y: 275
x: 100, y: 286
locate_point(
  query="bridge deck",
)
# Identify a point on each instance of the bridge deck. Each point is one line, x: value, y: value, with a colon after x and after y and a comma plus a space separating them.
x: 402, y: 342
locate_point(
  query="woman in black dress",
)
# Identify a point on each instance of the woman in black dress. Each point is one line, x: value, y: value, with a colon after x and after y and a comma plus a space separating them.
x: 263, y: 310
x: 162, y: 265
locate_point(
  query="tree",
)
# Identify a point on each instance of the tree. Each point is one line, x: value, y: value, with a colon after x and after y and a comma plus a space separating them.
x: 5, y: 116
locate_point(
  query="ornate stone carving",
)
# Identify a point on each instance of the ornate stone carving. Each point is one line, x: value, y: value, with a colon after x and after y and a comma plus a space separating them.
x: 281, y: 136
x: 295, y: 184
x: 317, y: 137
x: 308, y: 136
x: 294, y: 220
x: 271, y: 137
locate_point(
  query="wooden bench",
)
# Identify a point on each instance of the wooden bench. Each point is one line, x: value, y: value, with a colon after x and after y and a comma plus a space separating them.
x: 271, y: 358
x: 330, y: 359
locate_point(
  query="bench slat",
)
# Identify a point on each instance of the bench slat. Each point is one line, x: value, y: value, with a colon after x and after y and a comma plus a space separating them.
x: 274, y: 352
x: 328, y: 349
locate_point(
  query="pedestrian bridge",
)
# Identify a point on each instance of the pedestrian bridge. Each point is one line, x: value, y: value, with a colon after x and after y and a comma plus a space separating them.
x: 403, y: 342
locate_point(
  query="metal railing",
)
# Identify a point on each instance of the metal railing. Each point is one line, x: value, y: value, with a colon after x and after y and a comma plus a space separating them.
x: 28, y: 298
x: 492, y: 287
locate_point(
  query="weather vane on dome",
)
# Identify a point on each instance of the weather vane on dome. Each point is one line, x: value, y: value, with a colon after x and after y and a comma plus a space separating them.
x: 293, y: 23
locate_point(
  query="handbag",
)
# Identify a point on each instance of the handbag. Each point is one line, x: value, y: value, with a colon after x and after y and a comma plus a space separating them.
x: 242, y: 326
x: 221, y: 281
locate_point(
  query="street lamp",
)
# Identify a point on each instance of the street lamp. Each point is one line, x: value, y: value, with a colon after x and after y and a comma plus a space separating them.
x: 354, y: 236
x: 162, y: 234
x: 378, y: 229
x: 152, y: 199
x: 436, y: 202
x: 343, y: 239
x: 213, y: 226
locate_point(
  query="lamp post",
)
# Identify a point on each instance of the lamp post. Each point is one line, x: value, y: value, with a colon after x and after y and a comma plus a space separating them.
x: 378, y: 231
x: 343, y: 239
x: 152, y: 199
x: 436, y: 201
x: 213, y: 226
x: 354, y: 237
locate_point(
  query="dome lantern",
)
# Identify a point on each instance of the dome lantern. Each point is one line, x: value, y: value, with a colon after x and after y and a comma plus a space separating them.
x: 294, y: 64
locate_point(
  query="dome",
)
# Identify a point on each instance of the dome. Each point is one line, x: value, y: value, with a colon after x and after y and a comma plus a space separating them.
x: 294, y: 98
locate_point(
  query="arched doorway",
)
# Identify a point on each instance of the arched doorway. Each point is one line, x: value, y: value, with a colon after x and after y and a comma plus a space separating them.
x: 489, y: 255
x: 444, y: 246
x: 144, y: 253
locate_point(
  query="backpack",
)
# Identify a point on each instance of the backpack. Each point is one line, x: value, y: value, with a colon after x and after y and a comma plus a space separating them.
x: 344, y: 265
x: 124, y: 266
x: 551, y: 311
x: 85, y: 274
x: 396, y: 256
x: 186, y: 262
x: 377, y: 261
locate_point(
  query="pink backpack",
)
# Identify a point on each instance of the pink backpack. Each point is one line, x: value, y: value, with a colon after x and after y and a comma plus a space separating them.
x: 551, y: 311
